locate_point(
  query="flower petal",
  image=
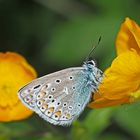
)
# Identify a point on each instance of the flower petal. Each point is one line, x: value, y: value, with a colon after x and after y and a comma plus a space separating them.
x: 121, y: 79
x: 15, y: 72
x: 128, y: 37
x: 103, y: 102
x: 14, y: 113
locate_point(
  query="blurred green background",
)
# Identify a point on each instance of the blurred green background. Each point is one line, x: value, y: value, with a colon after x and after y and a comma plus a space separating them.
x: 56, y: 34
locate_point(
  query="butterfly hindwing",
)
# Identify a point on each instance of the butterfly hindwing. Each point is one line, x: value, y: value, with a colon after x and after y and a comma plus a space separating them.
x: 59, y: 97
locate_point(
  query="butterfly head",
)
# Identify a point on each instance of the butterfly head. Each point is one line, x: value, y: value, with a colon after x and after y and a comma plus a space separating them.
x: 90, y: 64
x: 94, y: 74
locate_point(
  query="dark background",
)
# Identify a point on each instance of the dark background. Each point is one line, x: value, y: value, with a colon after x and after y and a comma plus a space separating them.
x: 56, y: 34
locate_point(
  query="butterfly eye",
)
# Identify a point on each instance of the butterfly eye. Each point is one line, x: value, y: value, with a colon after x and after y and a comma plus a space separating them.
x: 91, y: 62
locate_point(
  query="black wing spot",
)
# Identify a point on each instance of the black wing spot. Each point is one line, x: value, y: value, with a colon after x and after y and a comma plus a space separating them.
x: 37, y: 86
x: 65, y: 104
x: 73, y: 88
x: 53, y: 89
x: 79, y: 105
x: 58, y: 81
x: 58, y: 103
x: 70, y: 77
x: 50, y: 97
x: 70, y: 107
x: 53, y: 100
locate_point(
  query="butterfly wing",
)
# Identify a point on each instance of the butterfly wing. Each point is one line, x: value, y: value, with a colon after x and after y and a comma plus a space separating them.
x: 60, y: 97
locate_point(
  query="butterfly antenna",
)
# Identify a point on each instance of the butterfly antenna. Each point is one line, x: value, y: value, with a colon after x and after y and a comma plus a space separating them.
x: 93, y: 48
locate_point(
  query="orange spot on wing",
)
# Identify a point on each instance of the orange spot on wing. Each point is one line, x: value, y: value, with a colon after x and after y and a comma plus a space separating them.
x: 68, y: 116
x: 51, y: 109
x: 58, y: 114
x: 42, y: 94
x: 45, y: 106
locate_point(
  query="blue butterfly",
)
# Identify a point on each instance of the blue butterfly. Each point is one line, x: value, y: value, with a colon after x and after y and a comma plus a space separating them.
x: 60, y: 97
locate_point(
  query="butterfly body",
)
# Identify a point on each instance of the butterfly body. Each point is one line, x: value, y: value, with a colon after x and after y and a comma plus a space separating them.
x: 60, y: 97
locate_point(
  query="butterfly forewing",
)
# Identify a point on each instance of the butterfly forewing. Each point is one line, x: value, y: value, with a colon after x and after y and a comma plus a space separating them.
x: 59, y: 97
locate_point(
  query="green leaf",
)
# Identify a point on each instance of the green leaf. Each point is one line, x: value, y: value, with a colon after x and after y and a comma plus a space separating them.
x: 95, y: 122
x: 128, y: 117
x: 4, y: 137
x: 113, y: 136
x: 71, y: 41
x: 98, y: 120
x: 79, y: 131
x: 14, y: 129
x: 50, y: 136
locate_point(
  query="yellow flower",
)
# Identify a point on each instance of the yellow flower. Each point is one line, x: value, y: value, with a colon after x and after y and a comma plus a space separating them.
x: 14, y: 73
x: 122, y: 79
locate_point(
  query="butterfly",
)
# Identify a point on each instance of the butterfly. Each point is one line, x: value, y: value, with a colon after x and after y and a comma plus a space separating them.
x: 60, y: 97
